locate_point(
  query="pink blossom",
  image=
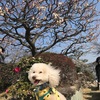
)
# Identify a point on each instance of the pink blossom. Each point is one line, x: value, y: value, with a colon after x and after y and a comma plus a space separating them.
x: 7, y: 91
x: 17, y: 69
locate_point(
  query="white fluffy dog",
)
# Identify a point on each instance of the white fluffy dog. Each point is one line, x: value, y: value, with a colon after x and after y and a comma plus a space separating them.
x: 44, y: 78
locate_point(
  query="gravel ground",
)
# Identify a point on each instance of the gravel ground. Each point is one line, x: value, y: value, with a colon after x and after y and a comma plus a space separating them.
x: 91, y: 93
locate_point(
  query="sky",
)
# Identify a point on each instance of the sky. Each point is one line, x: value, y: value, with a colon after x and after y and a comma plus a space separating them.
x: 91, y: 57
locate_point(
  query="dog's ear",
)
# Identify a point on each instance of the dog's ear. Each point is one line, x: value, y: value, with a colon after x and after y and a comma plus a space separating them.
x: 53, y: 76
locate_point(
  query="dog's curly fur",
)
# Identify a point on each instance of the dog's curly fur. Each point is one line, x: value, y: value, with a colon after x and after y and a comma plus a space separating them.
x: 41, y: 73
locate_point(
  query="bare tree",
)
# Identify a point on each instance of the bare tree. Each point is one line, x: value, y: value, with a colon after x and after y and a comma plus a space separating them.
x: 39, y: 25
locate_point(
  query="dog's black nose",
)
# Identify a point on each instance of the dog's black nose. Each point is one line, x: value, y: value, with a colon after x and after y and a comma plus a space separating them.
x: 33, y: 77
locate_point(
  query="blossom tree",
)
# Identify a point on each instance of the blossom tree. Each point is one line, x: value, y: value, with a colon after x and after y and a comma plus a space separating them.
x: 41, y: 25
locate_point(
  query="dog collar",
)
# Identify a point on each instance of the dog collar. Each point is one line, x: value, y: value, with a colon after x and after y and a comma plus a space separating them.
x: 41, y: 87
x: 45, y: 94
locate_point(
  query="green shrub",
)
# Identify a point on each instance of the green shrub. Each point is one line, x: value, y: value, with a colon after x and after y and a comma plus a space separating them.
x: 22, y: 89
x: 7, y: 76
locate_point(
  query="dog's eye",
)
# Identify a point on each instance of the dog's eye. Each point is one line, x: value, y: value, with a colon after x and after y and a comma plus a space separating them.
x: 40, y: 72
x: 34, y: 72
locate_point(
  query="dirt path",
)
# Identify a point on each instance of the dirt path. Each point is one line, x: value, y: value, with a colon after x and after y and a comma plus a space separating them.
x: 91, y: 93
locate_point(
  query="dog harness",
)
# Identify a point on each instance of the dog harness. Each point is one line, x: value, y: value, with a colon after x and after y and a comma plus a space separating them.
x: 45, y: 93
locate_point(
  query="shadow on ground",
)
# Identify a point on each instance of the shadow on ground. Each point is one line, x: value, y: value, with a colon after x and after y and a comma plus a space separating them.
x: 93, y: 94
